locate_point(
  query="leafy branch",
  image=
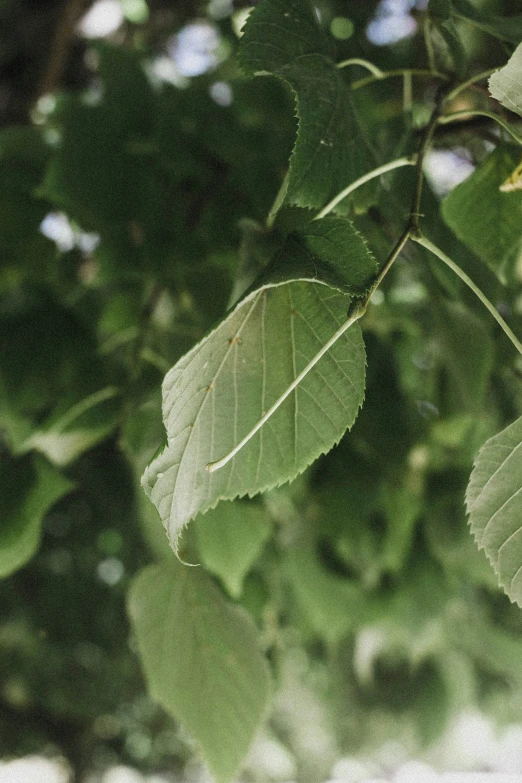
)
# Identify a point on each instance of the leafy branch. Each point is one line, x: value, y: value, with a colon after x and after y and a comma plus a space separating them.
x: 412, y: 231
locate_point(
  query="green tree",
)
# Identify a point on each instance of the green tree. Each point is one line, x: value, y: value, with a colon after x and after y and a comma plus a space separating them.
x: 268, y: 307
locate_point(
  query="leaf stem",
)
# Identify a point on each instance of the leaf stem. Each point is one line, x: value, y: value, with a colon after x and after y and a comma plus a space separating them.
x: 394, y: 164
x: 358, y: 312
x: 364, y: 64
x: 429, y: 44
x: 469, y: 82
x: 467, y: 113
x: 399, y: 72
x: 421, y: 240
x: 406, y: 234
x: 278, y: 201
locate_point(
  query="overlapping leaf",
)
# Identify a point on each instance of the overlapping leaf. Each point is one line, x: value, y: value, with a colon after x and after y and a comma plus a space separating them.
x: 202, y: 661
x: 230, y: 538
x: 216, y: 393
x: 506, y: 85
x: 282, y: 38
x: 494, y: 503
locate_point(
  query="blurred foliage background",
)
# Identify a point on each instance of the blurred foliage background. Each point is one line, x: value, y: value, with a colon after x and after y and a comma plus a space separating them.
x: 137, y: 168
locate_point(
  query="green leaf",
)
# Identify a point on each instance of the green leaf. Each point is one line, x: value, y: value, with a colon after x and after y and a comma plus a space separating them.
x: 282, y: 38
x: 494, y: 503
x: 330, y: 250
x: 466, y: 352
x: 201, y: 660
x: 506, y: 85
x: 440, y: 12
x: 507, y: 28
x: 332, y: 604
x: 218, y: 391
x: 23, y: 157
x: 230, y: 538
x: 335, y: 242
x: 476, y: 209
x: 64, y: 437
x: 30, y: 486
x: 402, y: 508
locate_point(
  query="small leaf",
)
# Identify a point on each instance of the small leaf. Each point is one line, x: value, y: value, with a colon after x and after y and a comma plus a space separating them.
x: 494, y: 503
x: 202, y: 661
x: 476, y: 209
x: 63, y: 438
x: 282, y: 38
x: 30, y: 486
x: 332, y: 604
x: 218, y: 391
x: 230, y: 538
x: 506, y: 85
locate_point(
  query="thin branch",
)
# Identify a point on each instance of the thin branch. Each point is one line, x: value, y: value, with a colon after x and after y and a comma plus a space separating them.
x: 429, y: 44
x: 467, y: 114
x: 425, y: 144
x: 394, y: 164
x: 399, y: 72
x: 376, y: 72
x: 469, y: 282
x: 469, y: 83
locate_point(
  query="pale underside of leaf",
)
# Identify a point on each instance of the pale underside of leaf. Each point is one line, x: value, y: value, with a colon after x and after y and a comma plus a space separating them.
x: 494, y: 502
x: 506, y: 84
x: 216, y: 393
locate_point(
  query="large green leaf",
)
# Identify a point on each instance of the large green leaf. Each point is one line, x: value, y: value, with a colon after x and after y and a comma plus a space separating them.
x: 494, y: 503
x: 30, y: 486
x: 202, y: 661
x: 282, y: 38
x: 476, y: 210
x: 218, y: 391
x: 230, y: 538
x: 506, y: 85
